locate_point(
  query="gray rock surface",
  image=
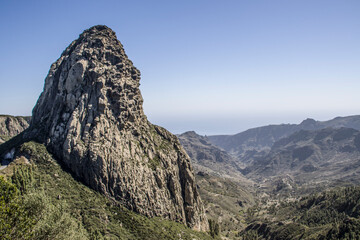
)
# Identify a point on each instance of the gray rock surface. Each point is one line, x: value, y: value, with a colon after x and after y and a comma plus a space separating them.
x: 11, y: 126
x: 90, y: 116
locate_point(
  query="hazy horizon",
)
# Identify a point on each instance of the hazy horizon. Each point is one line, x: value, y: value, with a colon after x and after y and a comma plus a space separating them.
x: 206, y: 66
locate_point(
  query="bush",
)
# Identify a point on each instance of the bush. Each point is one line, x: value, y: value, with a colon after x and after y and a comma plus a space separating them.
x: 52, y: 219
x: 214, y: 228
x: 15, y: 221
x: 23, y: 178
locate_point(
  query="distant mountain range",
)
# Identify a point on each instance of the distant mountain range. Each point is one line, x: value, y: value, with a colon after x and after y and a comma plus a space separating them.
x: 209, y: 158
x: 312, y: 152
x: 259, y: 139
x: 317, y: 156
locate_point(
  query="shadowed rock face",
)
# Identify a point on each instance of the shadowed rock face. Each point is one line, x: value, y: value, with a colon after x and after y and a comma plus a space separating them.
x: 90, y: 116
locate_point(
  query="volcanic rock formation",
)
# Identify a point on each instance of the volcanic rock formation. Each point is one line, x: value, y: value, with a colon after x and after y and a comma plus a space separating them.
x: 90, y: 116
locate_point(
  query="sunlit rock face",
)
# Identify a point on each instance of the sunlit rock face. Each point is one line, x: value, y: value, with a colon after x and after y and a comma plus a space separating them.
x: 11, y: 126
x: 90, y: 116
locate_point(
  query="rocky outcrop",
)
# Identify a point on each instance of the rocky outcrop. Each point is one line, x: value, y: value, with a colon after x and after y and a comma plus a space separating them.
x: 11, y: 126
x: 90, y: 116
x: 200, y: 149
x: 209, y: 158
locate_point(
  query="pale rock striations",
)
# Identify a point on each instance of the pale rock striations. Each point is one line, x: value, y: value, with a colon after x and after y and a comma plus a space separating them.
x: 90, y: 116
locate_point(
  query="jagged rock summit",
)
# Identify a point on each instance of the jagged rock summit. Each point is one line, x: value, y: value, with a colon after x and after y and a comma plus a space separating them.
x: 90, y: 116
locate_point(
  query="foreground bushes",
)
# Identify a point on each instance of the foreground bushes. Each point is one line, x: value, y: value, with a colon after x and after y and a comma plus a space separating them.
x: 44, y: 201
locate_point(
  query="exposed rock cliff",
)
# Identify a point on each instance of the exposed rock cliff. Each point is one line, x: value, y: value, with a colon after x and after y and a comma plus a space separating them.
x: 11, y: 126
x: 90, y: 116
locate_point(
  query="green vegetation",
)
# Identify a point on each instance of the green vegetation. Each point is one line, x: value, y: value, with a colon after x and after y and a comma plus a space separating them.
x: 46, y: 202
x: 23, y: 178
x: 41, y: 200
x: 251, y: 235
x: 154, y: 162
x: 226, y: 202
x: 214, y: 228
x: 15, y: 221
x: 328, y: 215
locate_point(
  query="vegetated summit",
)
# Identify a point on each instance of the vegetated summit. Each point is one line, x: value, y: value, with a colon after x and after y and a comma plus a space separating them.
x: 90, y: 116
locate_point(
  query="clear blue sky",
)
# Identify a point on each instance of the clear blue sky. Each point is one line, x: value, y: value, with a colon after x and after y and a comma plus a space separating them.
x: 209, y: 66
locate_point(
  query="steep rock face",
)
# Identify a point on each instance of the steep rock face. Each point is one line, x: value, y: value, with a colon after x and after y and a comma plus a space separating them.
x: 90, y: 116
x: 11, y: 126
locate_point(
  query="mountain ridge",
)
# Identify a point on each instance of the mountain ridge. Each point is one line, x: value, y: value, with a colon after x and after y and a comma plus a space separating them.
x: 322, y: 156
x: 262, y: 138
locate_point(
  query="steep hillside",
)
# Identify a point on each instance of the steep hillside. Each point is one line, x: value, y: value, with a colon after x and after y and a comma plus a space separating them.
x: 42, y: 200
x: 226, y: 201
x: 209, y: 158
x: 333, y: 214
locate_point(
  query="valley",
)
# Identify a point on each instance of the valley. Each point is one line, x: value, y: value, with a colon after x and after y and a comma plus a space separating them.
x: 281, y: 163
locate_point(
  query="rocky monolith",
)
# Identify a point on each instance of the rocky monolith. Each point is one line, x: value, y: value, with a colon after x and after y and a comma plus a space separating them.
x: 90, y: 116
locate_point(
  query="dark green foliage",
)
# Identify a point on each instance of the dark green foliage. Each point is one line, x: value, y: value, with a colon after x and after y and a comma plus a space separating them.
x: 214, y: 228
x: 250, y: 235
x: 53, y: 219
x: 154, y: 163
x: 330, y: 206
x: 348, y: 229
x: 23, y: 178
x: 15, y: 221
x: 328, y: 215
x: 63, y: 208
x: 289, y: 231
